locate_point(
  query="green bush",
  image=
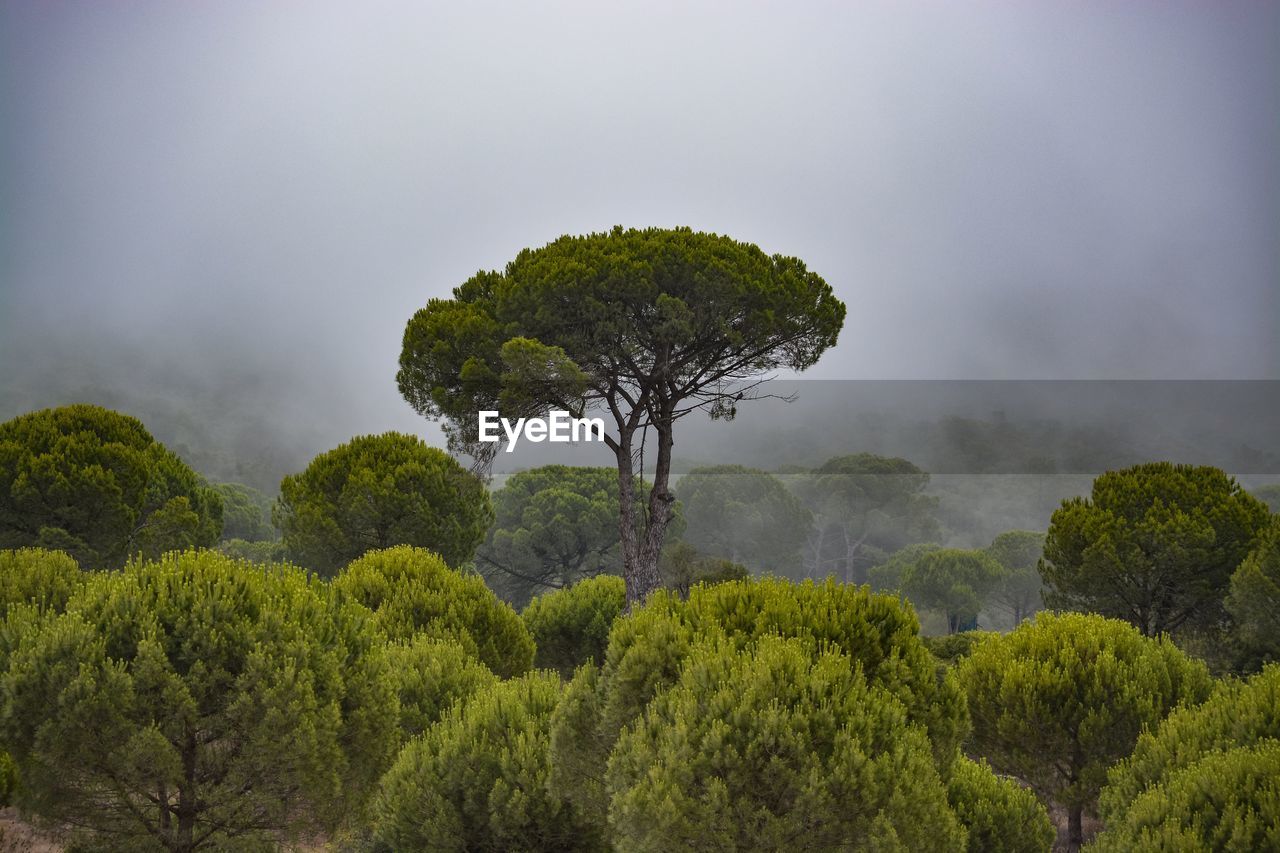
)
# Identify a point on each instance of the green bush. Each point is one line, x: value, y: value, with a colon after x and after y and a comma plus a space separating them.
x: 432, y: 676
x: 257, y: 551
x: 44, y: 579
x: 94, y: 483
x: 240, y: 703
x: 571, y: 626
x: 1064, y: 696
x: 949, y: 648
x: 8, y: 780
x: 771, y: 749
x: 477, y: 780
x: 377, y: 491
x: 1000, y: 815
x: 681, y: 566
x: 1226, y: 801
x: 647, y: 650
x: 1239, y: 713
x: 1254, y: 597
x: 412, y: 591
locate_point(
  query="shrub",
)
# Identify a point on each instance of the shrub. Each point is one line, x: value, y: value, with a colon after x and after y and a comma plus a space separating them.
x: 377, y: 491
x: 1000, y: 815
x: 571, y: 626
x: 431, y: 676
x: 647, y: 650
x: 1225, y: 801
x: 94, y: 483
x: 1239, y: 713
x: 44, y: 579
x: 1254, y: 597
x: 412, y: 591
x: 950, y: 648
x: 199, y: 700
x: 771, y: 748
x: 1062, y: 697
x: 477, y: 780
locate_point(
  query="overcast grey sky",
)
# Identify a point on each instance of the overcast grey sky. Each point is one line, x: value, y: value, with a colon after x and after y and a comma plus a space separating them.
x: 232, y: 192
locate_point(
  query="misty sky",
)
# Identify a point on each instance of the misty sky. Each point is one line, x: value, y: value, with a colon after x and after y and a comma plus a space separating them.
x: 224, y: 197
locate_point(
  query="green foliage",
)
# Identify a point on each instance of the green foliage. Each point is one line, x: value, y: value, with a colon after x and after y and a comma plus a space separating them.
x: 1254, y: 597
x: 1239, y: 713
x: 1064, y: 696
x: 478, y: 779
x: 260, y: 551
x: 949, y: 648
x: 553, y: 526
x: 1154, y: 545
x: 888, y: 576
x: 8, y: 780
x: 865, y: 506
x: 1269, y: 495
x: 1227, y: 801
x: 571, y: 626
x: 772, y: 748
x: 431, y: 677
x: 1018, y: 592
x: 246, y: 513
x: 377, y: 491
x: 671, y: 321
x: 44, y: 579
x: 1000, y: 815
x: 94, y: 483
x: 647, y: 650
x: 681, y: 566
x: 200, y: 701
x: 746, y: 516
x: 412, y: 591
x: 954, y: 582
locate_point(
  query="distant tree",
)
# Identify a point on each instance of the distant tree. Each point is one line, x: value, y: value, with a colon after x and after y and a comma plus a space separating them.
x: 1018, y: 592
x: 246, y: 513
x: 261, y: 551
x: 201, y: 704
x: 744, y: 515
x: 1269, y: 495
x: 376, y: 491
x: 665, y: 322
x: 571, y: 626
x: 1063, y: 697
x: 94, y: 483
x: 477, y: 780
x: 865, y: 507
x: 553, y: 526
x: 888, y: 575
x: 411, y: 591
x: 1154, y: 545
x: 954, y: 582
x: 1254, y: 597
x: 773, y: 749
x: 682, y: 566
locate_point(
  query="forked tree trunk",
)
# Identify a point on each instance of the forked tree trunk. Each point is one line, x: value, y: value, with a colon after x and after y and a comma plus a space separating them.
x: 640, y: 552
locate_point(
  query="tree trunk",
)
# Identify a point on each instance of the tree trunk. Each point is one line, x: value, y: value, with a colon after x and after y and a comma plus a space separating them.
x: 1075, y: 829
x: 640, y: 553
